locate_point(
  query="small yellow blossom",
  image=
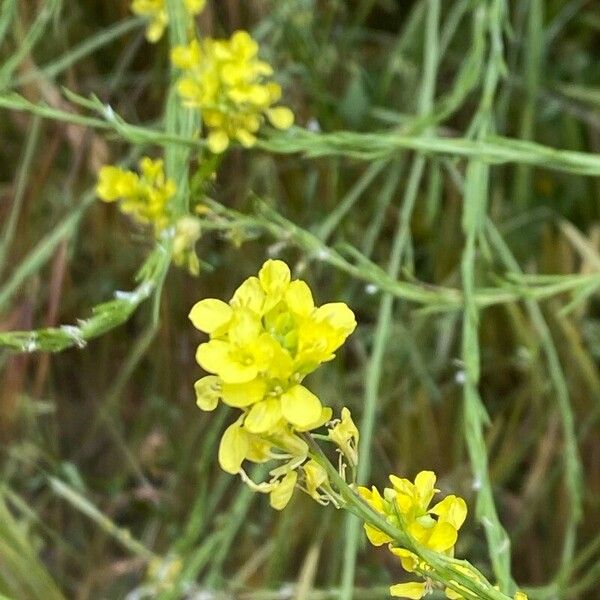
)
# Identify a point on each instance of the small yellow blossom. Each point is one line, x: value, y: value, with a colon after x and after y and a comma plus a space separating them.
x: 315, y: 477
x: 230, y: 86
x: 145, y: 197
x: 406, y: 505
x: 158, y: 18
x: 344, y: 434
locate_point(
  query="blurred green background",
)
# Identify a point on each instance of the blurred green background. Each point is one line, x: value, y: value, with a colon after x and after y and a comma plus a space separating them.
x: 110, y: 484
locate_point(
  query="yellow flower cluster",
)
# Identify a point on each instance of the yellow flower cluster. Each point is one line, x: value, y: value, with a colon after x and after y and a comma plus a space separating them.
x: 145, y: 197
x: 229, y: 84
x: 156, y: 12
x: 262, y: 345
x: 406, y: 505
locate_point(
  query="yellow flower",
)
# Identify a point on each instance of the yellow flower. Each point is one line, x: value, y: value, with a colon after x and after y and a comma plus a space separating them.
x: 158, y: 18
x: 437, y: 528
x: 282, y: 492
x: 406, y: 505
x: 115, y: 183
x: 144, y: 197
x: 243, y: 355
x: 344, y: 434
x: 255, y: 352
x: 229, y: 84
x: 208, y: 391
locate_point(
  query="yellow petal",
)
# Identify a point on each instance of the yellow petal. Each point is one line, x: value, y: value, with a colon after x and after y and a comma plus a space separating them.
x: 115, y: 183
x: 408, y: 560
x: 282, y: 494
x: 217, y: 141
x: 300, y: 406
x: 249, y: 295
x: 338, y: 315
x: 520, y: 596
x: 443, y: 537
x: 373, y: 497
x: 210, y: 314
x: 413, y: 590
x: 186, y: 57
x: 195, y: 6
x: 404, y: 503
x: 208, y: 390
x: 281, y: 117
x: 245, y: 138
x: 326, y: 414
x: 233, y: 448
x: 315, y: 476
x: 156, y: 28
x: 402, y: 486
x: 425, y: 482
x: 299, y: 298
x: 216, y: 357
x: 235, y: 372
x: 211, y: 355
x: 260, y: 450
x: 263, y: 416
x: 243, y: 394
x: 451, y: 509
x: 377, y: 537
x: 452, y: 595
x: 274, y: 277
x: 245, y: 327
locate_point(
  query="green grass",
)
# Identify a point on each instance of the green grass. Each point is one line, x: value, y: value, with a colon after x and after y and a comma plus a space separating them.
x: 442, y: 179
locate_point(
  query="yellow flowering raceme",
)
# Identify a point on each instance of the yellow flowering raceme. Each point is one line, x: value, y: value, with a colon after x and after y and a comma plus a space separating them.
x: 406, y: 505
x: 158, y: 18
x: 230, y: 85
x: 144, y: 197
x: 262, y: 344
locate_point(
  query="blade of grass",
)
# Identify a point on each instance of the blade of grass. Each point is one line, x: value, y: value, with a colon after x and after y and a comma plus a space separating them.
x: 473, y: 223
x: 492, y: 149
x: 32, y: 37
x: 86, y: 48
x: 7, y: 14
x: 533, y: 54
x: 23, y: 173
x: 83, y: 505
x: 384, y: 317
x: 571, y: 460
